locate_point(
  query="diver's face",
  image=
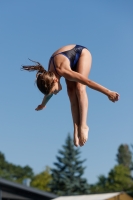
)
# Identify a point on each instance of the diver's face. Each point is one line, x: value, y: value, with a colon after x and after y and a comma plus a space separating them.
x: 56, y: 88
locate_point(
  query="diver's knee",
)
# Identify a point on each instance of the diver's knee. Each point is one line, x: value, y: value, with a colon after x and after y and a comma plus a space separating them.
x: 80, y: 89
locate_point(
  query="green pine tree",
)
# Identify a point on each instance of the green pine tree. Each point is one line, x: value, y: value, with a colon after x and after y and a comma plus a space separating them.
x: 124, y: 156
x: 67, y: 176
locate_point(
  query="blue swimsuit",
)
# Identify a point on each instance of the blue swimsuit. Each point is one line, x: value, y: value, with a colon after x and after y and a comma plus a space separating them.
x: 73, y: 55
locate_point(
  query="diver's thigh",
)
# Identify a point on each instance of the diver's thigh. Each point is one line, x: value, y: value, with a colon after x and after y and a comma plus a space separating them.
x: 84, y: 63
x: 70, y: 84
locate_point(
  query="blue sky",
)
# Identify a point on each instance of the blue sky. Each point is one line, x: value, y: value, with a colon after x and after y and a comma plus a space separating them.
x: 35, y: 29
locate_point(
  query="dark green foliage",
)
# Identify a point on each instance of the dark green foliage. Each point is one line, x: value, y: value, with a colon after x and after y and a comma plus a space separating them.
x: 100, y: 186
x: 124, y: 156
x: 67, y: 176
x: 13, y: 172
x: 118, y: 179
x: 42, y: 180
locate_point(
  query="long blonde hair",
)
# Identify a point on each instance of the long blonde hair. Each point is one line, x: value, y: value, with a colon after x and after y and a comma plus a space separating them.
x: 44, y: 79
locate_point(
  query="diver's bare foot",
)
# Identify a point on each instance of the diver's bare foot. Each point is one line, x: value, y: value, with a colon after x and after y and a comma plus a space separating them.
x: 75, y: 138
x: 83, y: 135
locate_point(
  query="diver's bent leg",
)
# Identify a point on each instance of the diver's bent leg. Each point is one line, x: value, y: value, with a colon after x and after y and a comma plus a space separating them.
x: 83, y: 67
x: 83, y: 110
x: 74, y: 109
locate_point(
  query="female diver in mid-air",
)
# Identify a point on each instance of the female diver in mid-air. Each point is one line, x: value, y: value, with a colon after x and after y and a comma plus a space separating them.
x: 73, y: 62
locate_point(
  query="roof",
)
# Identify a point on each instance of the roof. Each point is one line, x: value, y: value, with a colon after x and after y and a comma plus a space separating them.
x: 24, y: 191
x: 91, y: 196
x: 7, y: 195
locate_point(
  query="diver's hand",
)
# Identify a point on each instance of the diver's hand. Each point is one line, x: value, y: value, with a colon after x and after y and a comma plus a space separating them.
x: 40, y: 107
x: 113, y: 96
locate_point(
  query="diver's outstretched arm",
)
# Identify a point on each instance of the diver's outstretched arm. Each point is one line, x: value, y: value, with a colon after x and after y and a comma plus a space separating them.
x: 44, y: 102
x: 77, y: 77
